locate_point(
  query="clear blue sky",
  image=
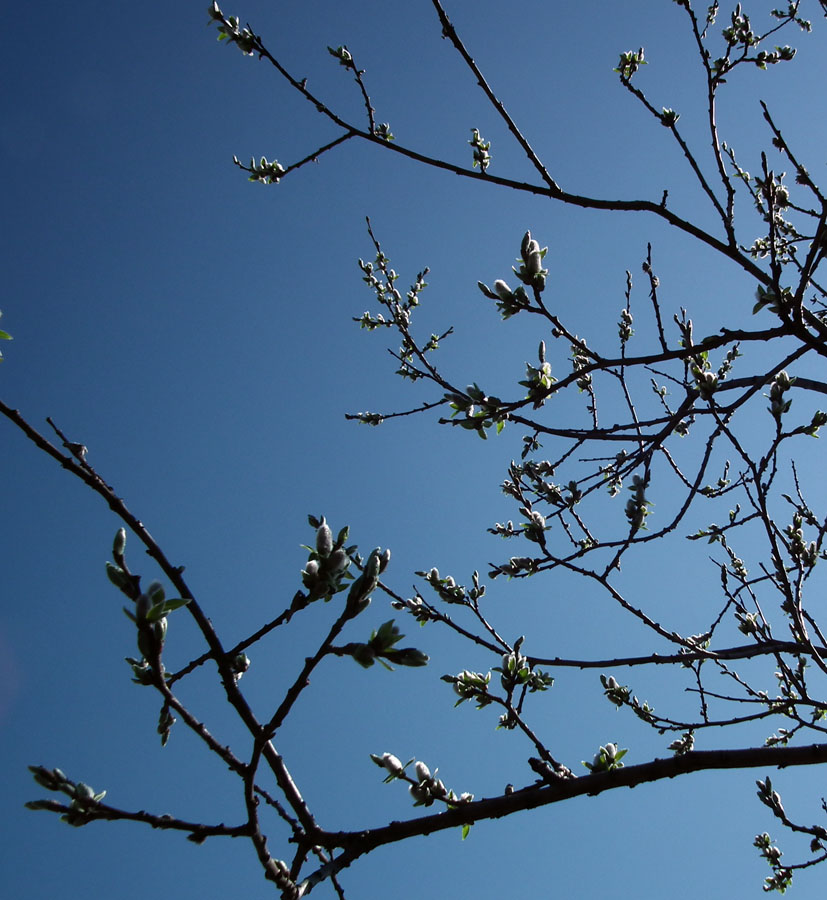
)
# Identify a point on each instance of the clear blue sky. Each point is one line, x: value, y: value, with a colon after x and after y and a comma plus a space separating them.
x: 194, y: 331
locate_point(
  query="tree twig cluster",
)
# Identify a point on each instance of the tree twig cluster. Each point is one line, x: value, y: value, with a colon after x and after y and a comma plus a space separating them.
x: 706, y: 426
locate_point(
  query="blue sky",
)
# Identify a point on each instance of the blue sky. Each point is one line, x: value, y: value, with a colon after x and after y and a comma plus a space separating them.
x: 194, y: 331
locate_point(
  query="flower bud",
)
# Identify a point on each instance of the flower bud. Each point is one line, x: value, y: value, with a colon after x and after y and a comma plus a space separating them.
x: 392, y: 764
x: 534, y: 263
x: 423, y: 773
x: 312, y: 568
x: 419, y: 793
x: 83, y: 792
x: 337, y: 561
x: 324, y: 539
x: 502, y: 290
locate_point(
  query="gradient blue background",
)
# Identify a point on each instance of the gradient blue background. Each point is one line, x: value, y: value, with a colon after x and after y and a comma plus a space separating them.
x: 194, y: 331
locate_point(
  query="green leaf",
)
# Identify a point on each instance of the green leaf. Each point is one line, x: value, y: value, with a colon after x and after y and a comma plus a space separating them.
x: 466, y: 830
x: 5, y: 336
x: 162, y: 609
x: 155, y: 592
x: 387, y: 635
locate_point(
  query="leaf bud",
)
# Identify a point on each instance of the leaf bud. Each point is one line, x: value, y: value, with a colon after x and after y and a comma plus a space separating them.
x: 782, y: 379
x: 372, y: 566
x: 117, y: 576
x: 410, y: 656
x: 51, y: 779
x: 363, y: 653
x: 142, y: 606
x: 239, y: 665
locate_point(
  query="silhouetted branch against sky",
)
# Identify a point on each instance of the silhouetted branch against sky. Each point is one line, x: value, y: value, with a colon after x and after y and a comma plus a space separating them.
x: 647, y: 500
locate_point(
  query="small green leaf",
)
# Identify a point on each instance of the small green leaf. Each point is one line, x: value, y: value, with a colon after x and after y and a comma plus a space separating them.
x: 466, y: 830
x: 162, y: 609
x: 155, y: 592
